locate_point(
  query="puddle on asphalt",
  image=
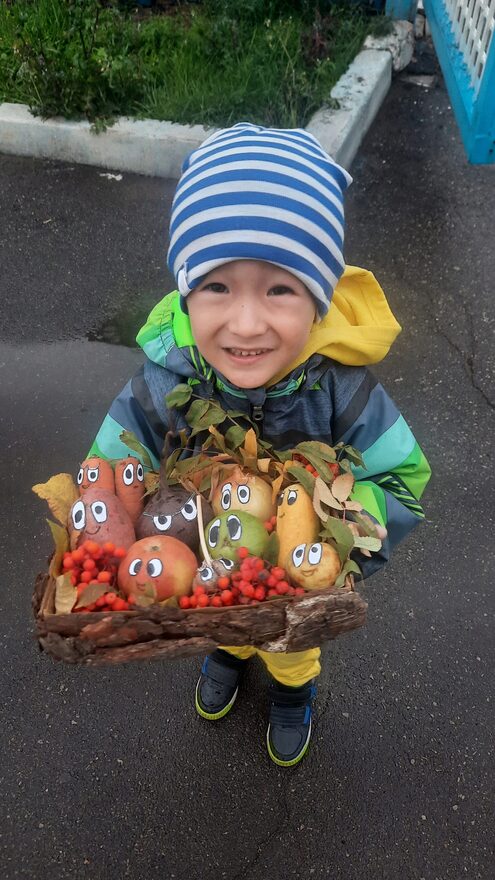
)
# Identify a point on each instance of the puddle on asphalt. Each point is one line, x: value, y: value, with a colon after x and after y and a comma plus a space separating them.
x: 123, y: 327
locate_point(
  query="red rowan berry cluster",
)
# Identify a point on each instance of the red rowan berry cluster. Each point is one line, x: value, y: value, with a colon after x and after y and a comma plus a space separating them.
x: 93, y: 565
x: 254, y: 582
x: 334, y: 467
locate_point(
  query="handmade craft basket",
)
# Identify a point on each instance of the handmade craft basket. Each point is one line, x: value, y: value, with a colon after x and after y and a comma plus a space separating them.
x: 157, y: 632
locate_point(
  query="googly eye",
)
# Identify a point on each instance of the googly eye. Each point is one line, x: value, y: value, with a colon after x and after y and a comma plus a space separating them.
x: 206, y: 573
x: 291, y: 496
x: 234, y: 527
x: 298, y: 554
x: 213, y: 533
x: 135, y: 567
x: 243, y: 494
x: 162, y: 523
x: 314, y: 554
x: 80, y: 476
x: 154, y: 568
x: 128, y: 474
x: 78, y: 515
x: 189, y: 511
x: 280, y: 499
x: 93, y: 474
x: 140, y: 473
x: 227, y: 563
x: 226, y: 496
x: 99, y: 511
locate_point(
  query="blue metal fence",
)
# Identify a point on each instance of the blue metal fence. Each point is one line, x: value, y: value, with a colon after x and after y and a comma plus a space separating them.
x: 462, y: 31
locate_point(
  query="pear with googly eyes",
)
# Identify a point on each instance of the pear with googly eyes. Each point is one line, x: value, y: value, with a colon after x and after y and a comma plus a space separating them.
x: 246, y: 492
x: 228, y: 532
x: 313, y: 566
x: 173, y: 512
x: 297, y: 520
x: 157, y: 568
x: 99, y: 516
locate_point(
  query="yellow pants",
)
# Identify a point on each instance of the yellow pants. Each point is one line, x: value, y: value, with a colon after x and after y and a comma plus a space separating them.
x: 289, y: 669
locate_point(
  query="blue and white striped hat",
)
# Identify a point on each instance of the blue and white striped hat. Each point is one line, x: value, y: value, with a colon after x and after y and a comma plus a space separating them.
x: 253, y: 193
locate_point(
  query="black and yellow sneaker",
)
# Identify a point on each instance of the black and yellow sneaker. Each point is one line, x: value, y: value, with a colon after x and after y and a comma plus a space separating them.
x: 289, y: 728
x: 218, y: 684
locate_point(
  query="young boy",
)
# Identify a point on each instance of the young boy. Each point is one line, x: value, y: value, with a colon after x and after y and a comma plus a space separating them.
x: 266, y: 320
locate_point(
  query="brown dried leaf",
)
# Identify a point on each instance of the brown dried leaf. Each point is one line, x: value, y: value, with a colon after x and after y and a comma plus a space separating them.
x: 276, y: 486
x: 353, y: 505
x: 60, y: 491
x: 325, y: 496
x: 151, y: 482
x: 264, y: 465
x: 65, y: 594
x: 250, y: 443
x: 323, y: 514
x: 342, y: 486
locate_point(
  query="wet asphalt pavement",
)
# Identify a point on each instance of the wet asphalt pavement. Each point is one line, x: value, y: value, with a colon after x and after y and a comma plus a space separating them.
x: 109, y: 774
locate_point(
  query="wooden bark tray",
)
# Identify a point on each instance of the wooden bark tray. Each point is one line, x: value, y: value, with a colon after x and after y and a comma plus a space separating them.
x: 279, y: 625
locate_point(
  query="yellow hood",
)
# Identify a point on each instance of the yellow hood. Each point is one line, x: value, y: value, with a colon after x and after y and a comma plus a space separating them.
x: 359, y: 327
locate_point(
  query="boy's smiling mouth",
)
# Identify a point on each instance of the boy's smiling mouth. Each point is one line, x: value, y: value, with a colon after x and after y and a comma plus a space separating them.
x: 247, y: 352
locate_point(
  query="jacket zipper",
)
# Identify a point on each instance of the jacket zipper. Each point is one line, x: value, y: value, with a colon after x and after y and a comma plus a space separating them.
x: 258, y: 415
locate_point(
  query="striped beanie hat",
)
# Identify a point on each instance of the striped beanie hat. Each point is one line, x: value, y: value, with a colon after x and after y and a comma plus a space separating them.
x: 254, y: 193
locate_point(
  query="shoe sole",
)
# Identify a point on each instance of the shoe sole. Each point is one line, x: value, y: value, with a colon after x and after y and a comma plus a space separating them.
x: 213, y: 716
x: 294, y: 761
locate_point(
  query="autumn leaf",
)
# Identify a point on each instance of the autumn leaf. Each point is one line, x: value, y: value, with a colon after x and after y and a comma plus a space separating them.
x: 342, y: 486
x: 60, y: 536
x: 341, y: 534
x: 61, y: 492
x: 151, y: 482
x: 325, y: 496
x: 276, y: 487
x: 303, y: 477
x: 65, y: 594
x: 179, y: 396
x: 367, y: 543
x: 90, y: 594
x: 129, y: 439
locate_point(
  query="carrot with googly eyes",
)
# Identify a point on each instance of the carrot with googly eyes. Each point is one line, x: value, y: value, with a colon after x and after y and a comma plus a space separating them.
x: 95, y: 473
x: 129, y: 486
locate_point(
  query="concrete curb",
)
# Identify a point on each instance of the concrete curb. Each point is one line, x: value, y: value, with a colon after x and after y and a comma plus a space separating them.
x: 159, y: 148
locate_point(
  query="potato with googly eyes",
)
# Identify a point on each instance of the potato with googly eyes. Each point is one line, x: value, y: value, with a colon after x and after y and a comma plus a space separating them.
x: 313, y: 566
x: 99, y: 516
x: 173, y: 512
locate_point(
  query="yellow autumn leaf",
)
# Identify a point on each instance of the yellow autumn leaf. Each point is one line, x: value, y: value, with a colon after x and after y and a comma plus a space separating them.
x: 250, y: 443
x: 60, y: 536
x: 151, y: 482
x: 60, y: 491
x: 65, y: 594
x: 264, y: 465
x: 342, y: 486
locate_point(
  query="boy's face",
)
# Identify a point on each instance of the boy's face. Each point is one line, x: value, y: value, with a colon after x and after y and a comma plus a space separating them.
x: 250, y: 319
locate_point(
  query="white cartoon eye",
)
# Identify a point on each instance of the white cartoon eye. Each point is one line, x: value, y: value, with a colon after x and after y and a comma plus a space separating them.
x: 79, y: 515
x: 298, y: 554
x: 140, y: 472
x: 227, y: 563
x: 135, y: 566
x: 234, y: 527
x: 314, y: 554
x: 213, y: 533
x: 226, y: 495
x: 93, y: 474
x: 80, y: 476
x: 189, y: 511
x: 292, y: 496
x: 205, y: 573
x: 162, y: 523
x: 154, y: 568
x: 128, y: 474
x: 243, y: 494
x: 99, y: 511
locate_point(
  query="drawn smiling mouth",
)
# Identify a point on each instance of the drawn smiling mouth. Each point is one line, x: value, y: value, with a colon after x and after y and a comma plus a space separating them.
x: 93, y: 532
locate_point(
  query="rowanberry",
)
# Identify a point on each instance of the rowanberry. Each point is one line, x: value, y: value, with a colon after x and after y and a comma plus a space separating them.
x: 217, y: 601
x: 259, y: 593
x: 68, y: 562
x: 247, y: 590
x: 282, y: 588
x: 184, y: 602
x: 109, y: 548
x: 203, y: 601
x: 243, y: 553
x: 104, y: 577
x: 110, y: 597
x: 223, y: 582
x: 193, y: 601
x: 278, y: 573
x: 227, y: 597
x: 120, y: 552
x: 86, y: 576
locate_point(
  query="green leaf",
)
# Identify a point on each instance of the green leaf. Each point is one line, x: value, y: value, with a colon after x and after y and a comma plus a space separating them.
x: 352, y: 454
x: 349, y: 567
x: 197, y: 409
x: 130, y: 440
x: 303, y: 477
x: 272, y: 549
x: 367, y: 543
x: 315, y: 448
x: 234, y: 437
x: 341, y: 534
x: 213, y: 416
x: 179, y: 396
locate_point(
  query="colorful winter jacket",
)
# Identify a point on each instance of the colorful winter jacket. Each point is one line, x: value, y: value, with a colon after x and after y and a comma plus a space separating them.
x: 328, y: 394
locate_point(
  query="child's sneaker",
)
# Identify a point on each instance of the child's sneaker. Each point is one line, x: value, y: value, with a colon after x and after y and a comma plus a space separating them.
x: 217, y: 686
x: 289, y: 728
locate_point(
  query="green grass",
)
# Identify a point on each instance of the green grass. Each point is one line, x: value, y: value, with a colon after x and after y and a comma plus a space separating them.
x: 272, y: 63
